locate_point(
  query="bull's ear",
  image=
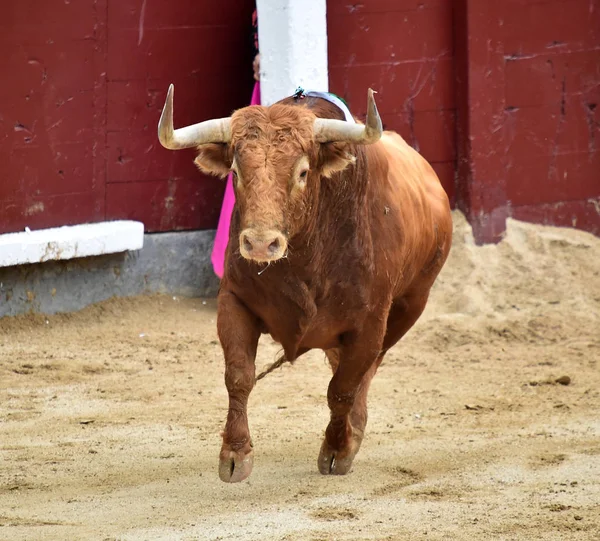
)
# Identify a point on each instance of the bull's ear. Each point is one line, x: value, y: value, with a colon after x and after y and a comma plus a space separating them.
x: 214, y: 159
x: 333, y: 158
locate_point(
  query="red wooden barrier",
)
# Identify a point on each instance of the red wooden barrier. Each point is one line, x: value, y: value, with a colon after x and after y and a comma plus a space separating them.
x: 528, y: 127
x: 82, y: 87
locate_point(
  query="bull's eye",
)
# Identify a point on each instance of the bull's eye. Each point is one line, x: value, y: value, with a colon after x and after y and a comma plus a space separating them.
x: 302, y: 176
x: 299, y: 174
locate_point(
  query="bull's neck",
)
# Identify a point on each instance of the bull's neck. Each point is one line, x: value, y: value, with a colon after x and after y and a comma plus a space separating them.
x: 339, y: 225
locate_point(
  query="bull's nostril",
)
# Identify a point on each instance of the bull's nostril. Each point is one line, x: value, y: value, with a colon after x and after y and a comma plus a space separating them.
x: 274, y: 246
x: 247, y: 244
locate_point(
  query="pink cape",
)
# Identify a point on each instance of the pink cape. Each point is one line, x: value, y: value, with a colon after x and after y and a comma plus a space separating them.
x: 222, y: 237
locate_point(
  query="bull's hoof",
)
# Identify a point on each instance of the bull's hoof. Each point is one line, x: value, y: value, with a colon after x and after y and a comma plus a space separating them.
x: 235, y: 466
x: 333, y: 462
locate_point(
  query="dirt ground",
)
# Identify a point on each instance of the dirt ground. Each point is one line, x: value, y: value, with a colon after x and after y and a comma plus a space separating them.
x: 110, y: 418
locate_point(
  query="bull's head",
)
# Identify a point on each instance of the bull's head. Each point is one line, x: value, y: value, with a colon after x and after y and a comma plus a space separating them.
x: 278, y: 155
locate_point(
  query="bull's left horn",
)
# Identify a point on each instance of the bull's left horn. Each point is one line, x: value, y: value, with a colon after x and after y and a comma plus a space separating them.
x: 329, y: 130
x: 217, y: 130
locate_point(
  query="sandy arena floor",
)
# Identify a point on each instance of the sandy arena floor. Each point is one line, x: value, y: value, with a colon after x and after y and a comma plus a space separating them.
x: 110, y: 418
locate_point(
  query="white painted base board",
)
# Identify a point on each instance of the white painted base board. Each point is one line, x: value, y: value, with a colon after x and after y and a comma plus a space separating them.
x: 69, y: 242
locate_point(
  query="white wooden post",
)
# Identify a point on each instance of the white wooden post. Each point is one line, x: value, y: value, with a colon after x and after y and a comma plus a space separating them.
x: 292, y: 37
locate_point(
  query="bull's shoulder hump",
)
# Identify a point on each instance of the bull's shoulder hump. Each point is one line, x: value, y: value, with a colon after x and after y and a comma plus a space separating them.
x: 394, y: 141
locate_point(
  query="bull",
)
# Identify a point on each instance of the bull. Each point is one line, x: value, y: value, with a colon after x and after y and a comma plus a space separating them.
x: 338, y: 233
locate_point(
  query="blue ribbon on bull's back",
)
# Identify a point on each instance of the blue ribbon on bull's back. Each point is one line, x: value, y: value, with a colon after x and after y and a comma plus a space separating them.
x: 330, y: 97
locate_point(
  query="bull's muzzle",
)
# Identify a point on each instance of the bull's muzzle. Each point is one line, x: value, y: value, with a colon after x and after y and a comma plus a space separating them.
x: 262, y: 246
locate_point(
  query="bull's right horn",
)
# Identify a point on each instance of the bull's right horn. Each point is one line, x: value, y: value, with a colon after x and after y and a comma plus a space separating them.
x: 217, y: 130
x: 328, y: 130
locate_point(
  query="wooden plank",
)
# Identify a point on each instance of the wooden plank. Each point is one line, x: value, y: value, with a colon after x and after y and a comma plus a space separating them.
x: 358, y: 38
x: 167, y: 205
x: 582, y: 214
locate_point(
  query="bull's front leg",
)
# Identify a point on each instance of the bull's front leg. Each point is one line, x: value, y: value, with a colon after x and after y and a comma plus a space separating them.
x: 355, y: 365
x: 239, y: 333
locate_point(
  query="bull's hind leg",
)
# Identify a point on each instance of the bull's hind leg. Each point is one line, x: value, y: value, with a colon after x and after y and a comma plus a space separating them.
x: 239, y: 333
x: 404, y: 314
x: 344, y: 435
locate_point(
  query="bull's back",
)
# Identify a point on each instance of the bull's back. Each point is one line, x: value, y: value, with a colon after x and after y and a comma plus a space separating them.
x: 419, y: 211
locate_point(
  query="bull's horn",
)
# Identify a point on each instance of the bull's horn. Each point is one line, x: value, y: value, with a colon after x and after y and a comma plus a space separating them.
x: 211, y: 131
x: 329, y: 130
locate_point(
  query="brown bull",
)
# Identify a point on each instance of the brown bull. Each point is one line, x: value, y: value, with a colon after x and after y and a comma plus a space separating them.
x: 338, y: 233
